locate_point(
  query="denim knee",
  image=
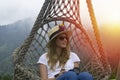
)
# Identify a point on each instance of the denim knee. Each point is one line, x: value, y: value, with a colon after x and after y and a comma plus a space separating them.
x: 85, y: 76
x: 70, y: 75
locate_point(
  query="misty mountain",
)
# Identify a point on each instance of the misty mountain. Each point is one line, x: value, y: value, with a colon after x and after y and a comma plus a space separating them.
x: 12, y: 36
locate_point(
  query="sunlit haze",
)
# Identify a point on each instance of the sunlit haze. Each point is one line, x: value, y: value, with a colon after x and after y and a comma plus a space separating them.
x: 106, y: 11
x: 109, y: 11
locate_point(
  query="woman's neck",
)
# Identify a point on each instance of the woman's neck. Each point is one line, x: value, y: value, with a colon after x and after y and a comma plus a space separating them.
x: 58, y: 50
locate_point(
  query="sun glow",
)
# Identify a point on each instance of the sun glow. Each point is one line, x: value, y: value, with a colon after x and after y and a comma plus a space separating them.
x: 115, y: 17
x: 107, y: 11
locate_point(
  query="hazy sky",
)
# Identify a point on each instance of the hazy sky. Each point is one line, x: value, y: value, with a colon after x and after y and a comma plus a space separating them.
x: 13, y: 10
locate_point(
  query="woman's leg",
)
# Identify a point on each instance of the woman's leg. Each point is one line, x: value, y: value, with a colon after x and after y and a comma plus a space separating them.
x: 70, y: 75
x: 85, y: 76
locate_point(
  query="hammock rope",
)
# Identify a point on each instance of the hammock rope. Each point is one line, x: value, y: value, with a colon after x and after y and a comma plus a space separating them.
x: 55, y: 12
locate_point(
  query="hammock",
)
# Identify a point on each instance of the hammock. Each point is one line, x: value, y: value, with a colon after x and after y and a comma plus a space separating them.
x: 55, y: 12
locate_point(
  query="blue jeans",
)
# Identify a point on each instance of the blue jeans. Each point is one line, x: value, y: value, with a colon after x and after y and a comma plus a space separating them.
x: 70, y: 75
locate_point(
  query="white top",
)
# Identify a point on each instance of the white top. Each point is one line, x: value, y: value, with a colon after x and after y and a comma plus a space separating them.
x: 69, y: 64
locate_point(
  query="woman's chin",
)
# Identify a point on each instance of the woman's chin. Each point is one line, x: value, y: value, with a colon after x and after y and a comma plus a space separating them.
x: 63, y: 47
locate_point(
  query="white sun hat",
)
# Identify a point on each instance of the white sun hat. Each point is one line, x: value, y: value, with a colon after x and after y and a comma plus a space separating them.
x: 57, y: 30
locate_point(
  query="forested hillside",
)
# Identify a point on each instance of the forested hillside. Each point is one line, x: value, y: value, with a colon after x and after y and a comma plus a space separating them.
x: 12, y: 36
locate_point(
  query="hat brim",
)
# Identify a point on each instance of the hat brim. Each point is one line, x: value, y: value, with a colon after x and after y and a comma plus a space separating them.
x: 68, y: 32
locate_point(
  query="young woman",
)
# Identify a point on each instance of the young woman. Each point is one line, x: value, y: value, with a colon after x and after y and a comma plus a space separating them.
x: 59, y: 63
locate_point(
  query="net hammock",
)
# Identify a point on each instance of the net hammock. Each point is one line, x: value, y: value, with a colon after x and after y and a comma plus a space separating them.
x: 54, y: 12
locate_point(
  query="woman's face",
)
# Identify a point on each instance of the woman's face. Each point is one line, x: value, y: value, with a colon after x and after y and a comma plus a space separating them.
x: 62, y: 41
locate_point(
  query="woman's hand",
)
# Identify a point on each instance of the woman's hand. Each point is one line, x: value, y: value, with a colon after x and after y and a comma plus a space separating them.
x: 61, y: 72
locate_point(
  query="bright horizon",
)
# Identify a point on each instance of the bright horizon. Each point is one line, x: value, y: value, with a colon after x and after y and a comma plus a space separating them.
x: 106, y: 11
x: 111, y: 12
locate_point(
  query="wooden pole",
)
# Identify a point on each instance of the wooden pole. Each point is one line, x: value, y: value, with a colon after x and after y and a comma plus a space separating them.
x: 96, y: 31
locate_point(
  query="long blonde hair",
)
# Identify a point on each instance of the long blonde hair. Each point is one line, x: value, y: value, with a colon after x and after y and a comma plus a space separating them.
x: 53, y: 57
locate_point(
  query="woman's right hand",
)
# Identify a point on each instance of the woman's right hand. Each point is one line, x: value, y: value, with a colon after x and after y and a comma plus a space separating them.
x: 61, y: 72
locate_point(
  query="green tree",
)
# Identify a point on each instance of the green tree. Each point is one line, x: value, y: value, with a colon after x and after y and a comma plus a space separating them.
x: 7, y: 77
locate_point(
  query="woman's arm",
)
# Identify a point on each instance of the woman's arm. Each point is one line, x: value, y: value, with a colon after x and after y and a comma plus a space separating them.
x: 43, y: 72
x: 76, y: 64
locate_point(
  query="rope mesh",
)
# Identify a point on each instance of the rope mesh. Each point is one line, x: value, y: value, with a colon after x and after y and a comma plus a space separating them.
x: 52, y: 13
